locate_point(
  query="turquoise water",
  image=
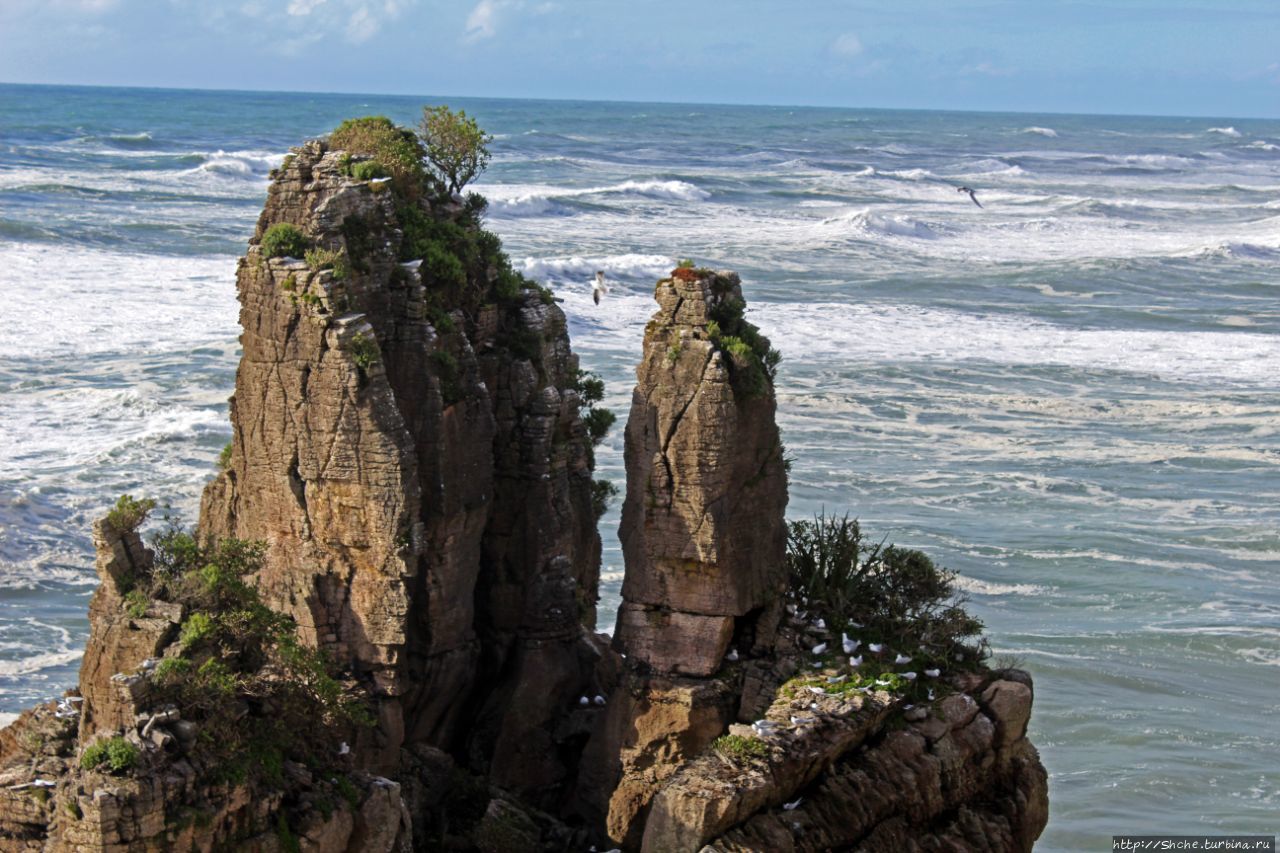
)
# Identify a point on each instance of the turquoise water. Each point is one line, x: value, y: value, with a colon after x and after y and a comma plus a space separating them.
x: 1070, y: 395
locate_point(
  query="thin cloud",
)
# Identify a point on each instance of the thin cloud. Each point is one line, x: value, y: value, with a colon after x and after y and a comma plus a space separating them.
x: 303, y: 7
x: 482, y: 23
x: 847, y: 46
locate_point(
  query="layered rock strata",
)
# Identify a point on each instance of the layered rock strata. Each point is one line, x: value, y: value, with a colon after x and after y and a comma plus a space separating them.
x: 422, y: 477
x: 409, y: 446
x: 703, y: 533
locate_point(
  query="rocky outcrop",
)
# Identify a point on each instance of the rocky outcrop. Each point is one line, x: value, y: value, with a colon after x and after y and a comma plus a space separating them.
x: 703, y: 528
x: 424, y: 490
x: 411, y: 452
x: 703, y: 533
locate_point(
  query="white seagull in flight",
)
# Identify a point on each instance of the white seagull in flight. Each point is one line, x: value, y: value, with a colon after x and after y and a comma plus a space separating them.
x: 597, y: 287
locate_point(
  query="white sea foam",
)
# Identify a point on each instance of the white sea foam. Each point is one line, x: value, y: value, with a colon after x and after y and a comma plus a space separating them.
x: 1263, y: 145
x: 1225, y: 131
x: 864, y: 221
x: 245, y: 164
x: 35, y: 663
x: 93, y: 301
x: 532, y: 200
x: 576, y: 267
x: 1041, y: 131
x: 992, y: 588
x: 860, y: 333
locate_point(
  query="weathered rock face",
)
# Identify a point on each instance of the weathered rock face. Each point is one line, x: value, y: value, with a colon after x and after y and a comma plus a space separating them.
x: 960, y: 775
x: 703, y: 528
x: 704, y: 536
x: 422, y: 478
x: 409, y: 446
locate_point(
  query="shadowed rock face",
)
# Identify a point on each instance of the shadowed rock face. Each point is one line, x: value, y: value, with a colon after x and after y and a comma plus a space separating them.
x: 424, y: 488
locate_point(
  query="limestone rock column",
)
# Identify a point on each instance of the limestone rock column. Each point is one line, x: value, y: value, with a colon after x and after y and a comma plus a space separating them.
x: 703, y: 528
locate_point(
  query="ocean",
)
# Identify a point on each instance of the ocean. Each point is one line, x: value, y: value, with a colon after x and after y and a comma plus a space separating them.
x: 1070, y: 395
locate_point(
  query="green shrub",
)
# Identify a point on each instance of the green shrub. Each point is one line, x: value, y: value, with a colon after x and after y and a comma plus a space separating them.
x: 456, y: 148
x: 197, y: 628
x: 602, y: 494
x: 739, y: 748
x: 129, y: 513
x: 369, y: 170
x: 329, y: 259
x: 897, y: 595
x: 136, y: 603
x: 685, y: 264
x: 598, y: 422
x: 116, y: 753
x: 442, y: 267
x: 284, y: 835
x: 364, y: 350
x: 394, y: 149
x: 224, y: 458
x: 284, y: 240
x: 171, y: 668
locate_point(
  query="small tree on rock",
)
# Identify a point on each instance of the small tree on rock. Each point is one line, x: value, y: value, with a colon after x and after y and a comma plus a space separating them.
x: 457, y: 149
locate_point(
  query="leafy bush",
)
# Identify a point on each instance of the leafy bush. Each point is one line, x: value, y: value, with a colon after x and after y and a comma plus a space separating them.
x: 326, y: 259
x: 456, y: 148
x: 129, y: 513
x: 885, y: 593
x: 602, y: 494
x: 364, y: 350
x: 598, y: 422
x: 198, y: 627
x: 136, y: 603
x: 237, y: 651
x: 395, y: 149
x: 369, y: 170
x: 116, y: 753
x: 284, y: 240
x: 753, y: 362
x: 737, y: 747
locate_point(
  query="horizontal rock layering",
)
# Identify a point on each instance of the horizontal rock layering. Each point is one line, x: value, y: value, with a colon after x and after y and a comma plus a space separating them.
x: 409, y: 446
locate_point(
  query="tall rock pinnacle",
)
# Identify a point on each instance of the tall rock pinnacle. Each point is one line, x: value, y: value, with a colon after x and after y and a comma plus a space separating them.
x: 703, y: 526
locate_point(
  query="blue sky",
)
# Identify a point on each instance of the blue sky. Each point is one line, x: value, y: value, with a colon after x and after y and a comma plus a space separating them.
x: 1196, y: 57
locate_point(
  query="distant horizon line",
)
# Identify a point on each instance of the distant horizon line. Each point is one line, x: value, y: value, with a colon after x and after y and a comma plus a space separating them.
x: 232, y: 91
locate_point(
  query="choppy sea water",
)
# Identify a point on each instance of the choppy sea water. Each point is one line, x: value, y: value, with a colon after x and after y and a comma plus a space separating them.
x: 1070, y: 395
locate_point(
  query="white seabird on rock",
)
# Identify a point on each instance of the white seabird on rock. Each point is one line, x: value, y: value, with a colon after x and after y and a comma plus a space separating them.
x: 877, y: 648
x: 599, y: 700
x: 344, y: 749
x: 902, y: 659
x: 793, y: 805
x: 850, y: 646
x: 732, y: 656
x: 584, y: 701
x: 933, y: 673
x: 909, y: 676
x: 856, y: 661
x: 820, y: 648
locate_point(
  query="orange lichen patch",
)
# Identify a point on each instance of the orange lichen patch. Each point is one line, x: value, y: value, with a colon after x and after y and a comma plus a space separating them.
x: 685, y: 274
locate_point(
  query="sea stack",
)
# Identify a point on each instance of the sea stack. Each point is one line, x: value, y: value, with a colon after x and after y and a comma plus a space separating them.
x: 703, y: 532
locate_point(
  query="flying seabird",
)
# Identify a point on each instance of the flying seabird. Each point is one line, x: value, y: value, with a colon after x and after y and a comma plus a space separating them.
x: 597, y: 287
x: 972, y: 194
